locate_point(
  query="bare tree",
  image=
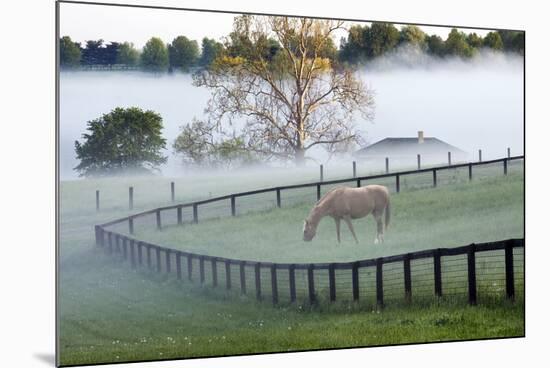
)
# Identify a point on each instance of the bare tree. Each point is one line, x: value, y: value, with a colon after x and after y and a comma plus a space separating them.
x: 276, y: 76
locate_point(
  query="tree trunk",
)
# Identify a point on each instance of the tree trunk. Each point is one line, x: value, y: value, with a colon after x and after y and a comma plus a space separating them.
x: 300, y: 157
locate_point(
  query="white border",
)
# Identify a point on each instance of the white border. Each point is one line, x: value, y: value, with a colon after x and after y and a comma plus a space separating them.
x: 27, y: 151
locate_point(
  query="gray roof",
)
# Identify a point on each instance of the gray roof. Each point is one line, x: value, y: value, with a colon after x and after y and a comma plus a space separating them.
x: 408, y: 146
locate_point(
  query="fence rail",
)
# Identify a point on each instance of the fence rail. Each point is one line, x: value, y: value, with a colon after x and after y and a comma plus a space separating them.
x: 170, y: 261
x: 439, y: 272
x: 318, y: 185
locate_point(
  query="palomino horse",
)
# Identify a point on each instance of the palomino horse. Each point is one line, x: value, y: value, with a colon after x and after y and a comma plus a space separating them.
x: 350, y: 203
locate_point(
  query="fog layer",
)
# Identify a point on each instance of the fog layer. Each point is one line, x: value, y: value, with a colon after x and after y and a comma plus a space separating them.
x: 474, y: 104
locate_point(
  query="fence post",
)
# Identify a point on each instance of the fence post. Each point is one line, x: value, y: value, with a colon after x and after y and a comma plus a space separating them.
x: 355, y: 280
x: 178, y: 264
x: 243, y: 278
x: 180, y: 215
x: 172, y: 192
x: 214, y: 267
x: 131, y: 225
x: 148, y: 255
x: 201, y: 269
x: 278, y: 198
x: 258, y: 281
x: 437, y: 273
x: 379, y: 283
x: 434, y: 172
x: 190, y: 267
x: 131, y: 198
x: 509, y: 266
x: 505, y: 163
x: 310, y: 284
x: 407, y: 277
x: 387, y: 165
x: 168, y: 263
x: 97, y: 200
x: 159, y: 225
x: 318, y: 191
x: 125, y: 248
x: 472, y: 292
x: 274, y: 291
x: 110, y: 241
x: 358, y: 183
x: 321, y: 172
x: 480, y: 156
x: 508, y: 152
x: 397, y: 186
x: 195, y: 213
x: 354, y: 165
x: 418, y: 161
x: 292, y: 283
x: 449, y: 157
x: 233, y: 209
x: 332, y: 282
x: 132, y: 253
x: 227, y: 274
x: 470, y: 171
x: 140, y: 253
x: 158, y: 259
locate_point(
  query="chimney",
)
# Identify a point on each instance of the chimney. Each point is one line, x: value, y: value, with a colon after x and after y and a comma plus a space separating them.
x: 420, y: 136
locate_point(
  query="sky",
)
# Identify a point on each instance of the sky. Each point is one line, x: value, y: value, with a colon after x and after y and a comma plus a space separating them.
x: 137, y: 25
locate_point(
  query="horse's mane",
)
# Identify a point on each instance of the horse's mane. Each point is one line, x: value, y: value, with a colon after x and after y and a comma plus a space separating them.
x: 325, y: 196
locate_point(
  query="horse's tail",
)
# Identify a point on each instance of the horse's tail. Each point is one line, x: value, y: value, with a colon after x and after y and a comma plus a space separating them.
x: 387, y: 219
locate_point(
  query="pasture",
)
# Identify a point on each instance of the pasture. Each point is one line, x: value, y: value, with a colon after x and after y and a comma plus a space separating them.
x: 109, y: 312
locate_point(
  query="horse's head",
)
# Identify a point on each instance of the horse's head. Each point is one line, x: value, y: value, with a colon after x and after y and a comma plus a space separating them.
x: 309, y: 230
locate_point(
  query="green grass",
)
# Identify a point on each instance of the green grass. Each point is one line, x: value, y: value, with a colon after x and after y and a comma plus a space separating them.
x: 447, y: 216
x: 109, y: 312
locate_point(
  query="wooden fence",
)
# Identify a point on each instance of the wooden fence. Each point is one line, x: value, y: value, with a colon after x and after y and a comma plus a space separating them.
x: 271, y: 280
x: 375, y: 278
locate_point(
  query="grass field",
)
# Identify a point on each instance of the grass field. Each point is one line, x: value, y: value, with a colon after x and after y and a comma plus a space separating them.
x: 109, y: 312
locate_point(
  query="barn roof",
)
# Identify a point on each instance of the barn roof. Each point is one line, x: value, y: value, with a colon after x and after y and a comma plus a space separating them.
x: 429, y: 146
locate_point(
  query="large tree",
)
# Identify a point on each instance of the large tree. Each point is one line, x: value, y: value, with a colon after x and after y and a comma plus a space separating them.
x: 127, y: 54
x: 183, y: 53
x: 124, y: 140
x: 154, y: 55
x: 69, y: 52
x: 211, y: 49
x: 288, y: 102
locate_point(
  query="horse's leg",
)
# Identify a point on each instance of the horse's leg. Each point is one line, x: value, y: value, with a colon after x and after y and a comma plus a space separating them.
x: 379, y: 228
x: 347, y: 219
x: 337, y: 221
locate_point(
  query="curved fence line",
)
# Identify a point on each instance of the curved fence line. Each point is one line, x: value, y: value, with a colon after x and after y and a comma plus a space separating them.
x: 496, y: 271
x: 318, y: 185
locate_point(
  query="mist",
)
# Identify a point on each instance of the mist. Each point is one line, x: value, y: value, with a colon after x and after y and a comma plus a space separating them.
x: 471, y: 104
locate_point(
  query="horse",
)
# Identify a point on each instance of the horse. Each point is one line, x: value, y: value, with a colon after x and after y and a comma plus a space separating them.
x: 350, y: 203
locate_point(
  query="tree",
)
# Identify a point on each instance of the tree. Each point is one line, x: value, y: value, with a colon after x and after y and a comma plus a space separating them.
x: 197, y: 145
x: 110, y: 53
x: 457, y: 45
x: 513, y: 40
x: 292, y: 103
x: 124, y: 140
x: 183, y: 53
x: 93, y: 53
x: 154, y: 55
x: 210, y: 51
x: 493, y: 41
x: 127, y: 54
x: 435, y: 45
x: 69, y: 52
x: 475, y: 41
x: 353, y: 49
x: 412, y: 35
x: 380, y: 38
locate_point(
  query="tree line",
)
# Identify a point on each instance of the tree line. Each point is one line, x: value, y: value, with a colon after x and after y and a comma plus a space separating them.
x: 363, y: 43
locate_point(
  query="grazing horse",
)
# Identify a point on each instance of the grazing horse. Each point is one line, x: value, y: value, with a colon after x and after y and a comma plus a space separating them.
x: 351, y: 203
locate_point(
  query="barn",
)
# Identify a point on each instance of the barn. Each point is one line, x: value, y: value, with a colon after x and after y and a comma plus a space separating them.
x: 404, y: 151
